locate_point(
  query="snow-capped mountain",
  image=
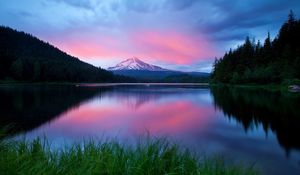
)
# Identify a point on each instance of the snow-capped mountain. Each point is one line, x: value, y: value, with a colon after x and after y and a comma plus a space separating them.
x: 135, y: 64
x: 135, y: 68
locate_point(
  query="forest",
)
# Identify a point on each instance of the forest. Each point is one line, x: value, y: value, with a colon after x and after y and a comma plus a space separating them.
x: 25, y: 58
x: 271, y: 62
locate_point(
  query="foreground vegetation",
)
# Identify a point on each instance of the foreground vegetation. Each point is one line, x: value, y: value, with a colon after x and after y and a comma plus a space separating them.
x: 275, y: 61
x: 152, y: 156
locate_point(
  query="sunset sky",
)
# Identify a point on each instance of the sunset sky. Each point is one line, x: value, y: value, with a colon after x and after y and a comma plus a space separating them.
x: 177, y: 34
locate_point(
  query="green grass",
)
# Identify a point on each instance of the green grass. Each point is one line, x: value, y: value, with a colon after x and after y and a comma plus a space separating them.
x: 151, y: 156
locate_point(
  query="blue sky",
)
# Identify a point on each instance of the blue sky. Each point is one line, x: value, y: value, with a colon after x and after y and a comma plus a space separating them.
x: 177, y: 34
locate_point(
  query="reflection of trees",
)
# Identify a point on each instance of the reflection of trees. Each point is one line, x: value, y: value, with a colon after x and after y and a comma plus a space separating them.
x: 27, y: 107
x: 273, y: 110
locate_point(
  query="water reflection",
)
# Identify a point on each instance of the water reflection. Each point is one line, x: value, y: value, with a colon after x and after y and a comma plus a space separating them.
x: 27, y: 107
x: 131, y: 111
x: 255, y: 126
x: 276, y: 111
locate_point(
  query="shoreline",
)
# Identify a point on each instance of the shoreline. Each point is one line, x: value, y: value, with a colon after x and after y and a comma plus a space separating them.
x: 83, y: 84
x: 139, y: 84
x: 270, y: 87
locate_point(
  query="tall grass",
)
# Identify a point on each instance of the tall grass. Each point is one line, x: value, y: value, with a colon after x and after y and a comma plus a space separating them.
x: 152, y: 156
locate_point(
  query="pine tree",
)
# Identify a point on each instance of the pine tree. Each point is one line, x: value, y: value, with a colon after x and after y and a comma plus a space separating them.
x: 267, y: 50
x: 274, y: 62
x: 291, y: 18
x: 37, y: 71
x: 17, y: 69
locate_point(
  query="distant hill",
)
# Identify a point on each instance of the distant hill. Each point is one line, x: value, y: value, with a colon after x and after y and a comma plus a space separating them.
x: 24, y: 57
x: 136, y: 68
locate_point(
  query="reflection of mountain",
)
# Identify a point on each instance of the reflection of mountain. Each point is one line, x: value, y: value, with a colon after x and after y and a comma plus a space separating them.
x: 136, y: 97
x: 273, y: 110
x: 27, y: 107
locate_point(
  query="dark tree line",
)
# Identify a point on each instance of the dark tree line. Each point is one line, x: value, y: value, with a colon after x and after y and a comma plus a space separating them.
x: 274, y: 61
x: 24, y: 57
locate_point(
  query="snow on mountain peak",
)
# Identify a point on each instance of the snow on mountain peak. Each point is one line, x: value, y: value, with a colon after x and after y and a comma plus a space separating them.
x: 135, y: 64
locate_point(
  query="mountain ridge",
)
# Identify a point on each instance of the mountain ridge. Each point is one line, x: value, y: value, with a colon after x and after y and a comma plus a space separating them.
x: 26, y: 58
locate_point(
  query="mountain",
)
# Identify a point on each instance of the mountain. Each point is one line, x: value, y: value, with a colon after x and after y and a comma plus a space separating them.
x: 135, y: 64
x: 136, y: 68
x: 24, y: 57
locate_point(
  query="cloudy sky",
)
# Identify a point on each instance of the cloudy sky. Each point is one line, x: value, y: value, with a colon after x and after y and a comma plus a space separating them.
x: 177, y: 34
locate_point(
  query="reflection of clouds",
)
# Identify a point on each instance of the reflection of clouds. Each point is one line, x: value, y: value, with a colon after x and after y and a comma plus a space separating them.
x: 172, y: 118
x: 168, y: 117
x: 135, y: 111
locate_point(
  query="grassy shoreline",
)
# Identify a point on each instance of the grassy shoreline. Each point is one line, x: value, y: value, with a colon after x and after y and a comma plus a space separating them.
x: 152, y: 156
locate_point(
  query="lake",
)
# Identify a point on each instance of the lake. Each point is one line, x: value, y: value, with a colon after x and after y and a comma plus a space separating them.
x: 256, y: 127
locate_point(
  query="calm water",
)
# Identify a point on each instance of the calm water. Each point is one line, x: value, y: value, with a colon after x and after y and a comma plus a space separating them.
x: 257, y: 127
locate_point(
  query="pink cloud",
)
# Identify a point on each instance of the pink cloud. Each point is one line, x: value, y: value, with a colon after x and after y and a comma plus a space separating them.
x: 173, y: 47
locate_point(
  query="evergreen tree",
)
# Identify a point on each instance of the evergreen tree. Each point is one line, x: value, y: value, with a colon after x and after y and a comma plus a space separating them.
x: 267, y: 50
x: 291, y: 18
x: 17, y: 69
x: 37, y: 71
x: 274, y: 62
